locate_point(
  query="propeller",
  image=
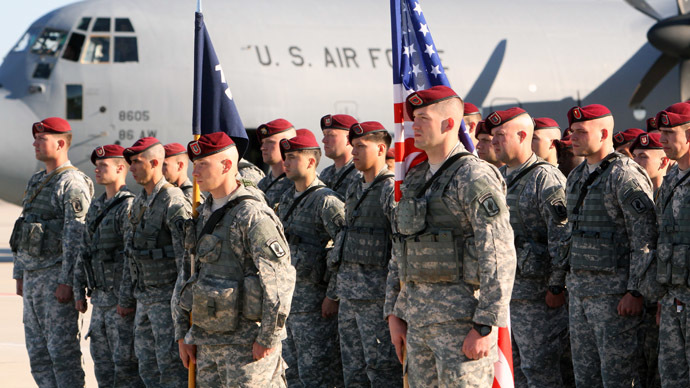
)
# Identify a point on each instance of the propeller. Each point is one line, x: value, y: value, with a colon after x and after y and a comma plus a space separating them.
x: 671, y: 36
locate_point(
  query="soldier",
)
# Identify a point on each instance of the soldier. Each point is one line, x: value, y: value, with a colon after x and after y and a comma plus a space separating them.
x: 472, y: 117
x: 649, y: 153
x: 240, y: 289
x: 547, y: 133
x: 270, y: 134
x: 45, y: 242
x: 651, y: 125
x: 609, y: 201
x: 342, y: 173
x: 155, y: 253
x: 485, y: 150
x: 175, y: 168
x: 536, y: 199
x: 100, y: 268
x: 453, y: 264
x: 567, y: 160
x: 623, y: 140
x: 312, y: 216
x: 672, y: 250
x: 363, y: 249
x: 249, y: 172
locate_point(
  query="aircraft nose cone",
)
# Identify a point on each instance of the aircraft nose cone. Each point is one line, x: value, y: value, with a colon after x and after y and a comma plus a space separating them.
x: 18, y: 161
x: 672, y: 36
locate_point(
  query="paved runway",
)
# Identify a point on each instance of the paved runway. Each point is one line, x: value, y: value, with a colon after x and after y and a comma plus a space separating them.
x: 15, y: 371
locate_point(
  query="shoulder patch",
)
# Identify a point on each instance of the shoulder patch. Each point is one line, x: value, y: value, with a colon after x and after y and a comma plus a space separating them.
x: 77, y: 205
x: 559, y: 209
x: 641, y: 204
x: 275, y: 246
x: 489, y: 204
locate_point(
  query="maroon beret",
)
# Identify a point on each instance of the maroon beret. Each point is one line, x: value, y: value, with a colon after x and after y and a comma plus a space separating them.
x: 305, y: 140
x: 430, y: 96
x: 625, y: 137
x: 365, y: 128
x: 675, y: 115
x: 51, y: 125
x: 652, y: 124
x: 390, y: 154
x: 565, y: 142
x: 471, y: 109
x: 647, y: 141
x: 585, y: 113
x: 174, y: 149
x: 273, y: 127
x: 139, y: 146
x: 107, y: 152
x: 501, y: 117
x: 343, y: 122
x: 545, y: 123
x: 209, y: 144
x: 481, y: 129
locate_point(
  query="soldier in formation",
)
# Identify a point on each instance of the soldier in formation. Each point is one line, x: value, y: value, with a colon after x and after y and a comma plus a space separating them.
x: 270, y: 134
x: 342, y: 174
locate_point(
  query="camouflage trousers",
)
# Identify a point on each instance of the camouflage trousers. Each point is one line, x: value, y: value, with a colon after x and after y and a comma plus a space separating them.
x: 51, y: 331
x: 604, y: 344
x: 674, y: 344
x: 156, y: 348
x: 435, y: 357
x: 234, y: 366
x: 649, y: 353
x: 112, y: 348
x: 311, y: 351
x: 539, y: 337
x: 369, y: 358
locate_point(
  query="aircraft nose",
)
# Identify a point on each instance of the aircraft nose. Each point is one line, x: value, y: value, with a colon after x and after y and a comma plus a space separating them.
x: 18, y: 161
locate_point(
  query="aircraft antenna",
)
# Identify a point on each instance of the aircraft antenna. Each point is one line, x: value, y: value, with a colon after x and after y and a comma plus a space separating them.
x: 198, y: 6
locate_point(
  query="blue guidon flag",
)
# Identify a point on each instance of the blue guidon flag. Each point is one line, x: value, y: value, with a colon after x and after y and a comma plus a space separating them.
x: 214, y: 109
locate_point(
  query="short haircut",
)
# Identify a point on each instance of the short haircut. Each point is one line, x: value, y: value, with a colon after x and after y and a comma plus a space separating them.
x: 155, y: 152
x: 67, y: 137
x: 379, y: 137
x: 314, y: 153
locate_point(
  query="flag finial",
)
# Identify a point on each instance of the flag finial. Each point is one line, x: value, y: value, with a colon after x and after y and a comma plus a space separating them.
x: 198, y: 6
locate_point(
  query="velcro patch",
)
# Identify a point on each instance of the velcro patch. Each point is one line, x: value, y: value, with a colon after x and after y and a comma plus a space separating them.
x: 640, y: 205
x: 489, y: 204
x: 559, y: 209
x: 77, y: 205
x: 276, y: 247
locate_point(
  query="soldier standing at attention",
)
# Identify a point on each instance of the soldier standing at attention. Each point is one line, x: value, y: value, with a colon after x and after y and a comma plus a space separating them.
x: 472, y: 117
x: 46, y: 241
x: 275, y: 183
x: 609, y: 202
x: 154, y: 247
x: 241, y: 287
x: 175, y: 168
x: 312, y: 216
x: 536, y: 200
x: 453, y: 254
x: 624, y: 139
x: 364, y: 248
x: 485, y: 150
x: 342, y: 173
x: 100, y: 268
x: 547, y: 133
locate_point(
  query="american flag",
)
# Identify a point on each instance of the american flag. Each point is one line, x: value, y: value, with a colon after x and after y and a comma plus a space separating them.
x: 416, y: 66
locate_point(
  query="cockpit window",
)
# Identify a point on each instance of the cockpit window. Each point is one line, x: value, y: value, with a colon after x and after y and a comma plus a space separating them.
x: 43, y: 70
x: 49, y: 43
x: 23, y: 42
x: 126, y: 49
x: 97, y: 50
x: 84, y: 24
x: 74, y: 46
x: 101, y: 25
x: 123, y: 25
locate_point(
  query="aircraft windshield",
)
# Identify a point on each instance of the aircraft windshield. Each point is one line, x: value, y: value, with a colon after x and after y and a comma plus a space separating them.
x: 103, y: 46
x: 24, y: 42
x: 50, y: 42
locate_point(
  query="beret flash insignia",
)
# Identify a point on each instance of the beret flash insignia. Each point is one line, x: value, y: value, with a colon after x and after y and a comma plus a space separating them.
x: 652, y: 122
x: 644, y: 140
x: 495, y: 118
x: 577, y: 114
x: 285, y: 144
x: 415, y: 100
x: 327, y: 120
x: 196, y: 150
x: 664, y: 118
x: 100, y: 151
x: 264, y: 131
x: 357, y: 129
x: 619, y: 137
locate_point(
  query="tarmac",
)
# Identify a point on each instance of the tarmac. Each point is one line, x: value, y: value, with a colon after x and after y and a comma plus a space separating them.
x: 15, y: 371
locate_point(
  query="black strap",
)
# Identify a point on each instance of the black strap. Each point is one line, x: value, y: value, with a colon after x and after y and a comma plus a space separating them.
x: 449, y: 162
x: 523, y: 173
x: 94, y: 225
x: 591, y: 178
x: 299, y: 199
x: 342, y: 177
x: 376, y: 181
x: 217, y: 215
x: 281, y: 176
x: 670, y: 194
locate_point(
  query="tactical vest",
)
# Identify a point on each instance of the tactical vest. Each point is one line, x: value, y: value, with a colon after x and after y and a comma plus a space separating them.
x: 593, y: 245
x: 153, y: 257
x: 433, y: 247
x: 674, y: 245
x: 367, y: 240
x: 532, y: 248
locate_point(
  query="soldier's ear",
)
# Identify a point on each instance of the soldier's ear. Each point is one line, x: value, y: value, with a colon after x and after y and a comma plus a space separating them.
x: 605, y: 134
x: 155, y: 163
x: 227, y: 165
x: 449, y: 122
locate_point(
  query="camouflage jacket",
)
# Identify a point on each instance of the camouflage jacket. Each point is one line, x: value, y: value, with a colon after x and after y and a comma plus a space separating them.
x: 339, y: 180
x: 275, y: 190
x: 250, y: 172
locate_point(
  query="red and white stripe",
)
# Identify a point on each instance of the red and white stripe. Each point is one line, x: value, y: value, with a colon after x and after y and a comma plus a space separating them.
x: 503, y: 368
x: 406, y: 154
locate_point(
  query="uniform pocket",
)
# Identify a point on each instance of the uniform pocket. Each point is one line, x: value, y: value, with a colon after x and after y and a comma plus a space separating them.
x: 411, y: 215
x: 470, y: 262
x: 663, y: 268
x: 252, y: 298
x: 215, y: 305
x: 679, y: 265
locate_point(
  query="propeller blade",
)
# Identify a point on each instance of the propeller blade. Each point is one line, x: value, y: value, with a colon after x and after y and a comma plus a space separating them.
x: 656, y: 73
x: 645, y: 8
x: 684, y: 80
x: 683, y: 6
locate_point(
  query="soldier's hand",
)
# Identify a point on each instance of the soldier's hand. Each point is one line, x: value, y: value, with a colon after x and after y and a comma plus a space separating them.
x: 475, y: 346
x: 124, y: 311
x: 329, y: 307
x: 398, y: 329
x: 81, y: 306
x: 20, y: 287
x: 658, y: 313
x: 259, y: 351
x: 630, y: 305
x: 187, y: 353
x: 63, y: 293
x: 555, y: 301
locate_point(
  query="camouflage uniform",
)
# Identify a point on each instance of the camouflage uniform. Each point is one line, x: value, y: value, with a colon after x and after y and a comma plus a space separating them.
x: 605, y: 263
x: 340, y: 179
x: 102, y: 262
x: 311, y: 348
x: 46, y: 242
x: 249, y: 241
x: 274, y: 188
x: 538, y: 216
x: 368, y: 354
x: 466, y: 219
x: 155, y: 252
x: 672, y: 256
x: 247, y: 170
